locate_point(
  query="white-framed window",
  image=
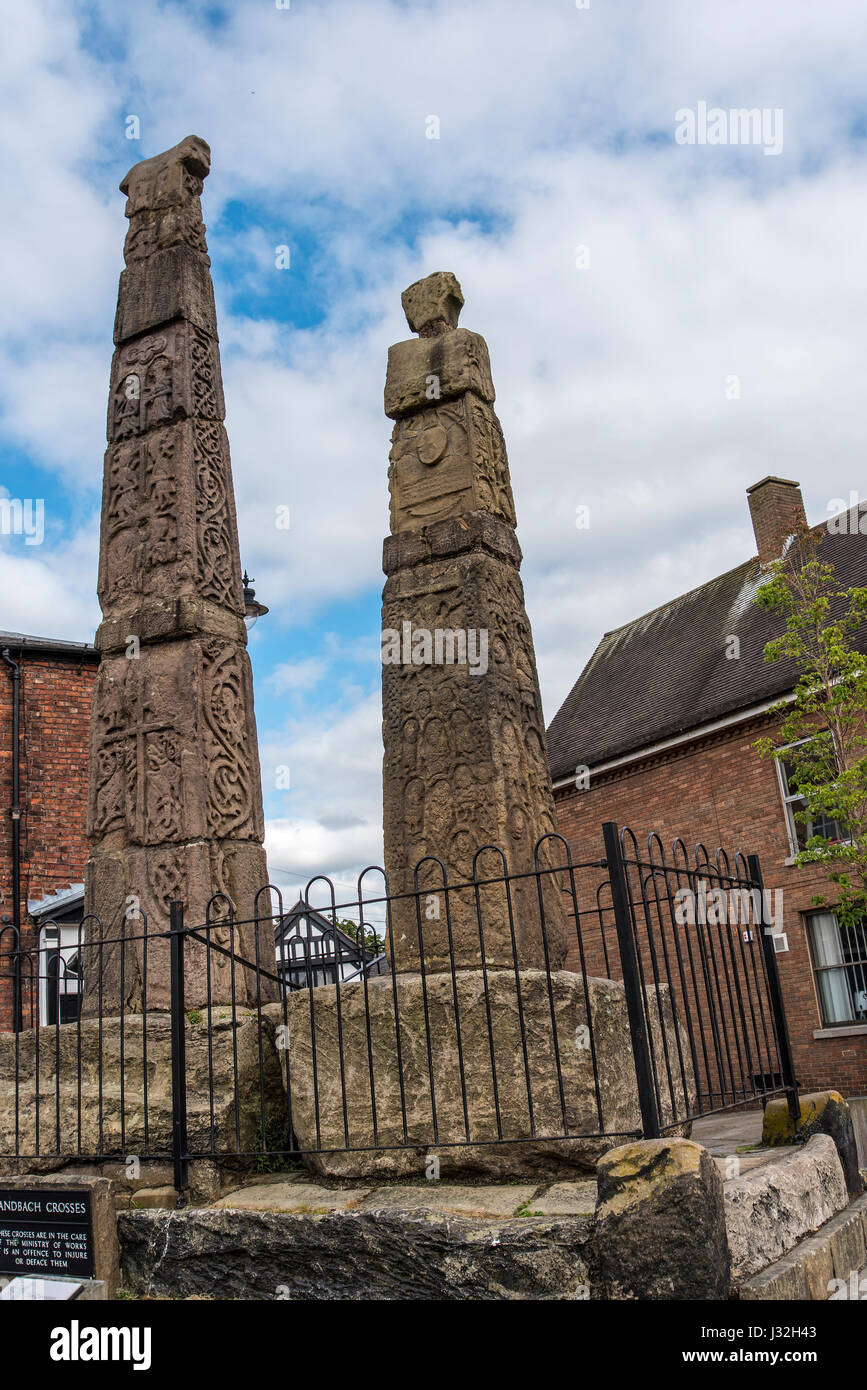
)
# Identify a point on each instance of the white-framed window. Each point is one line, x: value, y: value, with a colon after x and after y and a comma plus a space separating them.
x: 59, y: 973
x: 800, y: 830
x: 839, y: 956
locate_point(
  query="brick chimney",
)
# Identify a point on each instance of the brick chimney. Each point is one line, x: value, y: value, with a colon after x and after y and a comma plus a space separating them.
x: 777, y: 510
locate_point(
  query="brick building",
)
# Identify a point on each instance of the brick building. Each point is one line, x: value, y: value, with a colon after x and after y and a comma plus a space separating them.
x: 43, y: 848
x: 665, y: 717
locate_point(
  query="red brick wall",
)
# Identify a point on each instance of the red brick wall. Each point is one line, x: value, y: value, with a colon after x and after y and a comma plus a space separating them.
x: 721, y: 792
x: 56, y: 694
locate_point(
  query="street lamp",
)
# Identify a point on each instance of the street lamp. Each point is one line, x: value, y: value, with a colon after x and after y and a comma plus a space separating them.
x: 252, y: 609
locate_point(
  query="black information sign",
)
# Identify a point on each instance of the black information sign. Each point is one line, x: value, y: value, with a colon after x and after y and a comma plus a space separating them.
x: 45, y: 1232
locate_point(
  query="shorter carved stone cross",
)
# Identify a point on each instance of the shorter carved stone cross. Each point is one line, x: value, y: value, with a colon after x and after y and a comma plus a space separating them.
x: 465, y: 761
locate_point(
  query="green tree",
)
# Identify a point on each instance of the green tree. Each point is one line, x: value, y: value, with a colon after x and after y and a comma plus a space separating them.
x: 823, y: 732
x: 373, y: 943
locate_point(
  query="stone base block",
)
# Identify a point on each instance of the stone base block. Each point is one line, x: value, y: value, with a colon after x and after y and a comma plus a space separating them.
x: 106, y: 1088
x: 822, y: 1112
x: 412, y: 1073
x: 660, y: 1223
x: 353, y: 1255
x: 771, y: 1208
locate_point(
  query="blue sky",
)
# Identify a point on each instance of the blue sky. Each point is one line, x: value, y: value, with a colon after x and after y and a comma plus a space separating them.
x: 557, y: 130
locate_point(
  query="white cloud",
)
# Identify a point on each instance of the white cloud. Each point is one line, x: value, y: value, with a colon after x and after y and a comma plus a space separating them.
x: 296, y: 677
x: 49, y: 590
x: 556, y: 131
x: 335, y: 760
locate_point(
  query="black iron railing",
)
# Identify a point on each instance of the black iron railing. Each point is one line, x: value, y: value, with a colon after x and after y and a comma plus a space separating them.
x: 407, y: 1023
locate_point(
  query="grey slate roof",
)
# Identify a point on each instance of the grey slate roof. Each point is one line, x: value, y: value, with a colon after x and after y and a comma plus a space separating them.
x: 666, y: 673
x: 22, y: 641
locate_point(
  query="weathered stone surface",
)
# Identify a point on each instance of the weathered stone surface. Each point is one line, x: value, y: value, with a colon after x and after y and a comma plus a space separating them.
x: 293, y: 1197
x: 426, y: 1011
x: 154, y: 876
x: 846, y: 1241
x: 169, y: 618
x: 447, y: 460
x: 567, y: 1199
x: 158, y: 378
x: 155, y: 1199
x: 472, y: 532
x: 168, y: 284
x: 768, y: 1210
x: 786, y: 1281
x: 165, y: 523
x: 660, y: 1223
x: 175, y: 810
x: 423, y: 371
x: 125, y: 1105
x: 434, y: 304
x: 352, y: 1255
x: 858, y: 1111
x: 207, y: 1179
x: 465, y: 761
x: 814, y: 1257
x: 822, y: 1112
x: 828, y: 1263
x: 485, y: 1199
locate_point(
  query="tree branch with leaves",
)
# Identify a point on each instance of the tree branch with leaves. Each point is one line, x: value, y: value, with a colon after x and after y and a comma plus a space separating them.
x: 822, y: 736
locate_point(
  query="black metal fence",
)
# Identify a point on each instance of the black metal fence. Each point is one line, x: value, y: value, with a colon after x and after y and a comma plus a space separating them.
x: 567, y: 1005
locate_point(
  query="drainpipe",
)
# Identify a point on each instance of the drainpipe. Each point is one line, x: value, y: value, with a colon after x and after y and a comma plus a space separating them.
x: 15, y: 814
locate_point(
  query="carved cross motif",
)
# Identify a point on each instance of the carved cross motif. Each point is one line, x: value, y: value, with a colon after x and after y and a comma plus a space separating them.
x: 138, y: 766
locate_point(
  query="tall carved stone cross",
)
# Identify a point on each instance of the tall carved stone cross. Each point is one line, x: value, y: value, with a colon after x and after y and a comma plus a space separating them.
x: 465, y: 760
x: 175, y: 807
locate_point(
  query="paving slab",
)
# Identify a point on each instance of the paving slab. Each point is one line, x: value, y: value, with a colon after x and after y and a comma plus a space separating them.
x: 567, y: 1199
x: 747, y: 1162
x: 159, y: 1198
x: 490, y: 1200
x: 293, y: 1196
x: 723, y: 1134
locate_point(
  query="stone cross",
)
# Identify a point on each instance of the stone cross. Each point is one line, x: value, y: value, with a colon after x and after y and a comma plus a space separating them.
x: 175, y: 808
x: 465, y: 761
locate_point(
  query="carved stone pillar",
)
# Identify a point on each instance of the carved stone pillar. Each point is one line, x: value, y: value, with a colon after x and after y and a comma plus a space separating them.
x: 175, y: 807
x: 465, y: 760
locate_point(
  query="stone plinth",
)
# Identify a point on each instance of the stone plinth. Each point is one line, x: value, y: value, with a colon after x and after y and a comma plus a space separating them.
x: 660, y: 1224
x: 357, y: 1256
x: 123, y: 1105
x: 363, y: 1031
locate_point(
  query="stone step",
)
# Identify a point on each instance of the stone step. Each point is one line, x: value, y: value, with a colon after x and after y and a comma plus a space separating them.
x: 827, y: 1265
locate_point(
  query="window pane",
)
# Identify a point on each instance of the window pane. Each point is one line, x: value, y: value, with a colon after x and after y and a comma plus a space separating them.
x: 835, y: 996
x: 842, y: 988
x: 825, y: 936
x: 789, y: 777
x: 826, y: 827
